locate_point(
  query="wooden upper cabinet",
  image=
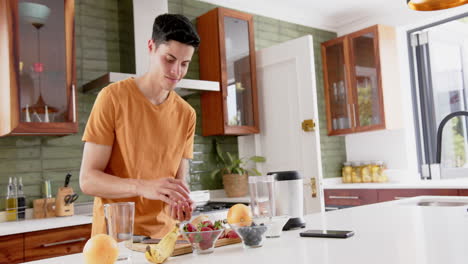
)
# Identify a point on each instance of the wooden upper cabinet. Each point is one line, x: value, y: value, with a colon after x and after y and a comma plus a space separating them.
x: 227, y: 55
x: 361, y: 81
x: 37, y: 68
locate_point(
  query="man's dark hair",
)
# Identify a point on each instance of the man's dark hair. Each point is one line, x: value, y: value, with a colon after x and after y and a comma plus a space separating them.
x: 168, y: 27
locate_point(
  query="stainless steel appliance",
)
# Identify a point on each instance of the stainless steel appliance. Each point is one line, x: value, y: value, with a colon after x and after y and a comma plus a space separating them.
x: 289, y: 198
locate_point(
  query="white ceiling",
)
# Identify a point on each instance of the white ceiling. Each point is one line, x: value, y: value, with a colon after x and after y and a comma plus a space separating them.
x: 342, y: 16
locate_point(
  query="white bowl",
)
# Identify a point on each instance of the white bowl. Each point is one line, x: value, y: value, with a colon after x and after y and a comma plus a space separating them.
x: 276, y: 224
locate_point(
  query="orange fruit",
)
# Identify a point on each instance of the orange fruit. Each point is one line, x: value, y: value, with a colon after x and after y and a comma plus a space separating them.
x: 240, y: 214
x: 101, y: 249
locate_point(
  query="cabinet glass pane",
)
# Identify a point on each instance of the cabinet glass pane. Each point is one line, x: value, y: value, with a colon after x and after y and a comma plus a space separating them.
x: 337, y: 87
x: 42, y: 61
x: 368, y: 104
x: 239, y: 83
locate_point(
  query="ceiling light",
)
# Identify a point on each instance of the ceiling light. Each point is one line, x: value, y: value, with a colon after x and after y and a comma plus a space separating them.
x: 432, y: 5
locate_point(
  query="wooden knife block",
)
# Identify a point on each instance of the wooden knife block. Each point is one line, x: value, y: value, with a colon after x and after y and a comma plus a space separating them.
x: 44, y: 208
x: 62, y: 209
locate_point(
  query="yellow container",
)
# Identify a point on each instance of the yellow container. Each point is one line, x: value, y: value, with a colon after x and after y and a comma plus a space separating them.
x: 356, y: 174
x: 346, y: 172
x: 366, y: 172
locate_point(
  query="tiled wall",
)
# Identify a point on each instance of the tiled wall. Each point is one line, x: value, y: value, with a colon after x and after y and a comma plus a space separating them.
x: 104, y: 42
x: 268, y: 32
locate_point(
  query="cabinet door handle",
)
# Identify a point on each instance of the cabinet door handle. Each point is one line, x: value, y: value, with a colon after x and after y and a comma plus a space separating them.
x: 74, y: 103
x: 343, y: 197
x: 349, y: 115
x: 399, y: 197
x: 65, y: 242
x: 354, y: 115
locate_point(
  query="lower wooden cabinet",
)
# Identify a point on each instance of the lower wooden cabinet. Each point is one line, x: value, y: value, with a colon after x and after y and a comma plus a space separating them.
x: 56, y: 242
x: 338, y: 198
x: 350, y: 197
x: 12, y: 249
x: 43, y: 244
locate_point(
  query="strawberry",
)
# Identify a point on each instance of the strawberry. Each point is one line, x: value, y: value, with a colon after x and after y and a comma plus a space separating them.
x: 205, y: 244
x: 232, y: 234
x: 190, y: 228
x: 207, y: 223
x: 206, y: 235
x: 206, y: 228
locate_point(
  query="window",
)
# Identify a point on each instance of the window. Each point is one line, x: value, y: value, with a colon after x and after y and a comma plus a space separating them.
x: 439, y: 58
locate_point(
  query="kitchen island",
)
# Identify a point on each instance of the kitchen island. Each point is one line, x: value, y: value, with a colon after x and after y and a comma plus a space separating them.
x: 391, y: 232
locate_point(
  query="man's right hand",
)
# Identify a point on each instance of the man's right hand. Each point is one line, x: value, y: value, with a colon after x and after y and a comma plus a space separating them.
x: 168, y: 190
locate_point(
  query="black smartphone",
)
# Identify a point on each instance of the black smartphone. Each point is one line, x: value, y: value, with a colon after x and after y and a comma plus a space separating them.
x: 327, y: 233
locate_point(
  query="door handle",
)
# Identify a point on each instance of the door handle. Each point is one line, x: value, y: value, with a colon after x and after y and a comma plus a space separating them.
x: 308, y: 125
x: 313, y: 186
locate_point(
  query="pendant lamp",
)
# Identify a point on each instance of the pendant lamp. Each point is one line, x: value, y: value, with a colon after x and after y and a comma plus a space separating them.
x: 433, y: 5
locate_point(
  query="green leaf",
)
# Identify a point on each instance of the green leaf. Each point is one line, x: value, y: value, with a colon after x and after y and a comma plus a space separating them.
x: 257, y: 159
x: 213, y: 173
x: 238, y: 171
x: 218, y: 152
x: 230, y: 157
x: 254, y: 171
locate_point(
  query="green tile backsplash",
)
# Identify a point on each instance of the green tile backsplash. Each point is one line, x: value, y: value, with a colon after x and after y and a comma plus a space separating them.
x: 104, y: 42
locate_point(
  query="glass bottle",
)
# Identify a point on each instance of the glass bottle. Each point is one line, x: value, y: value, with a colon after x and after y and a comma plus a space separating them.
x: 11, y: 201
x: 21, y: 201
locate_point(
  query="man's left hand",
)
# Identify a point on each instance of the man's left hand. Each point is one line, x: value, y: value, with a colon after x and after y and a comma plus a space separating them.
x: 182, y: 211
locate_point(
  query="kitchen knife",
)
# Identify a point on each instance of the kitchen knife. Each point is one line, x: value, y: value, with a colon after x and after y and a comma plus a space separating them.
x: 157, y: 240
x: 67, y: 179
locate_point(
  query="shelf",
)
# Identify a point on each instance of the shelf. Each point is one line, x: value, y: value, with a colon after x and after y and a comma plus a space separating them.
x: 183, y: 88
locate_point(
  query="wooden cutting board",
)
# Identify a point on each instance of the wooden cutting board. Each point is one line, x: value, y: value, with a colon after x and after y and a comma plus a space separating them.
x: 186, y: 248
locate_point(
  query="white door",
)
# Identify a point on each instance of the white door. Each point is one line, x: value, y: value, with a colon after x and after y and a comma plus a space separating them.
x: 286, y: 96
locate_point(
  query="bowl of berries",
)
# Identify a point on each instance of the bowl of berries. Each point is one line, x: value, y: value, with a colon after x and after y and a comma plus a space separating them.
x: 203, y: 235
x: 252, y: 235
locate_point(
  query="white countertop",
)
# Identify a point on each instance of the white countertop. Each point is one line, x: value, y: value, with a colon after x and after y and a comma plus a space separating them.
x: 31, y: 225
x: 336, y: 183
x: 385, y: 233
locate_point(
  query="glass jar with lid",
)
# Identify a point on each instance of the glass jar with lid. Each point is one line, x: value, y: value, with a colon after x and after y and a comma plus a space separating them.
x: 346, y: 172
x: 382, y: 175
x: 376, y: 171
x: 365, y: 171
x: 356, y: 173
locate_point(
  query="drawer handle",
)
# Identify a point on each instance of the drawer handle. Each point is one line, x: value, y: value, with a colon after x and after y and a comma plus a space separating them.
x: 343, y: 197
x: 65, y: 242
x: 399, y: 197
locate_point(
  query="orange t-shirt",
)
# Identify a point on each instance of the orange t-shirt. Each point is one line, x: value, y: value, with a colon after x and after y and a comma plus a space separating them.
x: 148, y: 142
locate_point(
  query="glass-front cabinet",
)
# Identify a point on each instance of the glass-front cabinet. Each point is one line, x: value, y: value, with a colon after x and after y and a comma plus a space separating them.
x: 337, y: 87
x: 353, y: 82
x: 39, y: 96
x: 227, y: 55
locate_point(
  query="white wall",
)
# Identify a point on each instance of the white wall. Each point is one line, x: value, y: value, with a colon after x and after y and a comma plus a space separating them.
x: 144, y: 12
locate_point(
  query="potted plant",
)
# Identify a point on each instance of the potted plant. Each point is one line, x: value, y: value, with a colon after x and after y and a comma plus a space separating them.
x: 234, y: 171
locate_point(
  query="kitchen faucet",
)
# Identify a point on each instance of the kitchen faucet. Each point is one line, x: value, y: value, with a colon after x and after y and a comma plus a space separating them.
x: 440, y: 129
x: 439, y: 140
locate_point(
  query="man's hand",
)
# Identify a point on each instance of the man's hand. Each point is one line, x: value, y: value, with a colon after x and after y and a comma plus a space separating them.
x: 169, y: 190
x: 182, y: 211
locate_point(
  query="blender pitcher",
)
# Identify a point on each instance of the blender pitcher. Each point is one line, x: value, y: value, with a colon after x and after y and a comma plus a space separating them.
x: 262, y: 195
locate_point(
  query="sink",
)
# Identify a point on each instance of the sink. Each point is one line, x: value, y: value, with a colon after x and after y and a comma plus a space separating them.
x: 439, y: 203
x: 435, y: 201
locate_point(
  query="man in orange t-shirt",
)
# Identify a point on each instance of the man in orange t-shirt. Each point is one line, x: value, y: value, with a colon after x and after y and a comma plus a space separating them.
x: 140, y: 134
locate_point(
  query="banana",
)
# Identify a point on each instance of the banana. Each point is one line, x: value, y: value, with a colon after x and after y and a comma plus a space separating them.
x: 160, y: 252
